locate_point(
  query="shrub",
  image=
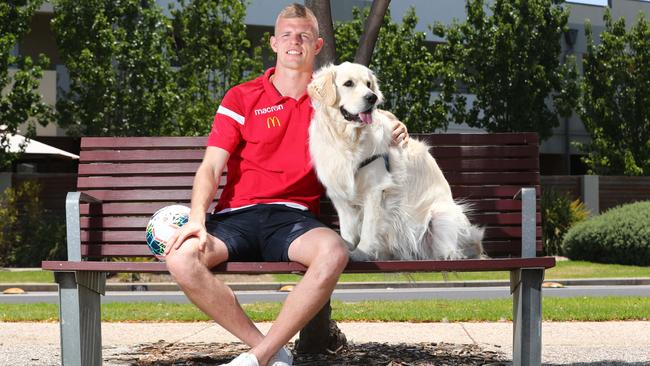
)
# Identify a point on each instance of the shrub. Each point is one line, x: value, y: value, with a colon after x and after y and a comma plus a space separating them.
x: 559, y: 214
x: 28, y: 233
x: 620, y: 235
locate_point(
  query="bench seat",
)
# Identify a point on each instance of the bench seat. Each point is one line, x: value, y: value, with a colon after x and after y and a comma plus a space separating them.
x: 467, y: 265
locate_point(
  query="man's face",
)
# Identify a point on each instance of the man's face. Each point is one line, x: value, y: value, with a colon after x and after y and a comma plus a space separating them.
x: 295, y: 43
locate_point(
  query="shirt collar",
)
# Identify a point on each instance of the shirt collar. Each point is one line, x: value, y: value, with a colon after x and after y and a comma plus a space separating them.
x: 275, y: 95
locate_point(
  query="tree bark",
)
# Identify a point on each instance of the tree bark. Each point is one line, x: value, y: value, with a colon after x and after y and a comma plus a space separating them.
x: 371, y: 32
x: 321, y: 334
x: 323, y: 12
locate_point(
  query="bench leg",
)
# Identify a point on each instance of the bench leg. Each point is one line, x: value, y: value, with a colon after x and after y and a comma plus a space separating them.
x: 80, y: 317
x: 526, y: 287
x: 320, y: 334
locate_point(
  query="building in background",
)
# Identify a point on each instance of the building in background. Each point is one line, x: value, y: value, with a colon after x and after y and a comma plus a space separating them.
x: 557, y: 152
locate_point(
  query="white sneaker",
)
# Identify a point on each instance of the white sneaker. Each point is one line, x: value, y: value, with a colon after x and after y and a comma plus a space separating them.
x: 245, y: 359
x: 282, y: 358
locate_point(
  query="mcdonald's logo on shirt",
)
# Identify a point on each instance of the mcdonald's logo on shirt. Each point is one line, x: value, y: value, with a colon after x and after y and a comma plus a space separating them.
x: 272, y: 121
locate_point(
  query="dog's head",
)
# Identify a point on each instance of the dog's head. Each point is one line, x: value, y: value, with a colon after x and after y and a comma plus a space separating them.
x: 350, y: 88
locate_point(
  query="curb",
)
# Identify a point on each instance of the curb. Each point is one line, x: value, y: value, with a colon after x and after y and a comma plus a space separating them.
x: 276, y: 286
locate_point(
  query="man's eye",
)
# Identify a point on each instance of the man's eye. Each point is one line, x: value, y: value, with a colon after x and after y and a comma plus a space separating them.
x: 348, y: 83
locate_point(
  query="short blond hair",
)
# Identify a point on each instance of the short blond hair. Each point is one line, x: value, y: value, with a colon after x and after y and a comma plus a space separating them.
x: 298, y: 11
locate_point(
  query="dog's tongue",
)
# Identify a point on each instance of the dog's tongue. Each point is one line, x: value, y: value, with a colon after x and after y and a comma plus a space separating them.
x: 366, y: 117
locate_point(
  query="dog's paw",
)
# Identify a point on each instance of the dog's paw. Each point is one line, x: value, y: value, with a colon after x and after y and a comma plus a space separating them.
x: 359, y: 256
x: 351, y: 246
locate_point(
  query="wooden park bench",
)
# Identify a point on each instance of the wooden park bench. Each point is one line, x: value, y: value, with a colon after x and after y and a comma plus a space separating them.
x: 122, y: 181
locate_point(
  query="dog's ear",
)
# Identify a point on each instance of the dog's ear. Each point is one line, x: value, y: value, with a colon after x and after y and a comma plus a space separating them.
x: 322, y: 87
x: 375, y: 88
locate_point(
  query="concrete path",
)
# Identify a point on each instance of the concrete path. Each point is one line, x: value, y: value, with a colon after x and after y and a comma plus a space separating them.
x: 576, y: 343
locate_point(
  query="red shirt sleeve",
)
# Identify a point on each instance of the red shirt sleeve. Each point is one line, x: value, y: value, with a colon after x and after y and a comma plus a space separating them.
x: 227, y: 124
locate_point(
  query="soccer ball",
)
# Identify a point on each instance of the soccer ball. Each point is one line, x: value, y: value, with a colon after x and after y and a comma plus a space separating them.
x: 163, y: 224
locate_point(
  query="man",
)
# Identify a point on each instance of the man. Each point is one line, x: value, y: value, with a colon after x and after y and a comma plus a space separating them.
x: 266, y: 210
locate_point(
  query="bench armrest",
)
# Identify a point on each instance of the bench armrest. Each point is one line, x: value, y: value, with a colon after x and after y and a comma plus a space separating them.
x: 528, y: 221
x: 73, y: 225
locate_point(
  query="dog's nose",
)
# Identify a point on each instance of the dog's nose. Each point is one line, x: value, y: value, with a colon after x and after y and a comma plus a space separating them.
x: 371, y: 98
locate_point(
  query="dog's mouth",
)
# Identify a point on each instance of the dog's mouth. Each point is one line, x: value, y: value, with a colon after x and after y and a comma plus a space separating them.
x: 364, y: 117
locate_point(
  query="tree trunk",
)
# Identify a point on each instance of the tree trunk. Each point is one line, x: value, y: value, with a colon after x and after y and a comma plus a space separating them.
x: 322, y: 10
x: 371, y: 32
x: 321, y: 334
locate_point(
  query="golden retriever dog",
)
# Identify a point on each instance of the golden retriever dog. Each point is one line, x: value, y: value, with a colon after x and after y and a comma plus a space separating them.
x: 393, y: 202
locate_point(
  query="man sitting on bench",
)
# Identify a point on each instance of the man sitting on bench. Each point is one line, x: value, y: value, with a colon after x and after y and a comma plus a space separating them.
x: 267, y: 209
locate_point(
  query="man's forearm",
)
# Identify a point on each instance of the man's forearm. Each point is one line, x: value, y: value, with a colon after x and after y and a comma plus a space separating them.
x: 203, y: 191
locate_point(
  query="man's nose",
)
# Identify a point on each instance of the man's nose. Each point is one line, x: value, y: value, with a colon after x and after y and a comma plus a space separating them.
x: 296, y: 39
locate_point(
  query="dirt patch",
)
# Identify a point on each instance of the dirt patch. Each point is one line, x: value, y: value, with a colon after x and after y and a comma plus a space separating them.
x: 163, y: 353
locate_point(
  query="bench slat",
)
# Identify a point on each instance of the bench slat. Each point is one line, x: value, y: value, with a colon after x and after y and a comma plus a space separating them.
x: 148, y: 208
x: 139, y: 169
x: 117, y: 154
x: 483, y: 151
x: 88, y: 143
x: 123, y: 236
x: 511, y: 248
x: 487, y: 165
x: 507, y: 138
x: 293, y: 267
x: 140, y: 155
x: 436, y: 139
x: 161, y: 181
x: 140, y: 222
x: 142, y: 195
x: 465, y: 192
x: 178, y: 168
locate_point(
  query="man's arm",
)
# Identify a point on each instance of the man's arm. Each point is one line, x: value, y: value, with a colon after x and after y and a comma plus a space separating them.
x: 206, y: 183
x: 400, y: 134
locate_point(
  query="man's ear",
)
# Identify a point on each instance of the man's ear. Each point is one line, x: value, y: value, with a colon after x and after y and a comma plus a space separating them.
x: 272, y: 41
x: 322, y: 87
x: 319, y: 45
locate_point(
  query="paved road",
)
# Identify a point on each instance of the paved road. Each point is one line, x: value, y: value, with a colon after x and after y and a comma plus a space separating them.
x: 350, y: 294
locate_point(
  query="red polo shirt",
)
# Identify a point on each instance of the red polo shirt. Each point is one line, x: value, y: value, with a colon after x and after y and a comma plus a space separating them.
x: 266, y: 135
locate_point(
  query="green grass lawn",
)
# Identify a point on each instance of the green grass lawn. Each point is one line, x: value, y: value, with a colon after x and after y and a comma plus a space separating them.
x: 554, y: 309
x: 563, y: 269
x: 26, y: 276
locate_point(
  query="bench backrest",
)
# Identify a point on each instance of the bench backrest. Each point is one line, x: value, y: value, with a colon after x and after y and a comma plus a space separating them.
x: 135, y: 176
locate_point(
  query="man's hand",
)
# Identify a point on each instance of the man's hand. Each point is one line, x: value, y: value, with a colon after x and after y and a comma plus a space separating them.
x: 188, y: 230
x: 400, y: 134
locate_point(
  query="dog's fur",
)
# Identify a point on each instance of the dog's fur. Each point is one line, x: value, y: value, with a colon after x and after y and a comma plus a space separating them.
x: 399, y: 209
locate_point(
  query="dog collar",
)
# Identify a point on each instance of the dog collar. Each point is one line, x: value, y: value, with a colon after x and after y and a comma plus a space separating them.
x: 373, y: 158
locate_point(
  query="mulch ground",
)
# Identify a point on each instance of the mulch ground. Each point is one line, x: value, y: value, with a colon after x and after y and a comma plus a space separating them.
x: 163, y: 353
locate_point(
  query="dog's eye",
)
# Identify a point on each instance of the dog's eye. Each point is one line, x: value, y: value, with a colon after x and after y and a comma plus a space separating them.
x: 368, y: 84
x: 348, y: 83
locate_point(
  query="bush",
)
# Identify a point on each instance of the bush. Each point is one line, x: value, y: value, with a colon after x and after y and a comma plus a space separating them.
x: 28, y: 233
x: 559, y: 214
x: 620, y: 235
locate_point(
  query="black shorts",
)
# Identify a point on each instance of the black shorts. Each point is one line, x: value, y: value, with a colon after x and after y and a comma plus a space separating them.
x: 261, y: 232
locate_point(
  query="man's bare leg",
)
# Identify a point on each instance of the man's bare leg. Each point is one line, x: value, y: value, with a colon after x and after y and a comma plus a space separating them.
x: 191, y: 270
x: 324, y: 253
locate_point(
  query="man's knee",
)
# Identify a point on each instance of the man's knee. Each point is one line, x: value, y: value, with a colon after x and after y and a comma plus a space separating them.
x: 339, y: 255
x: 184, y: 261
x: 333, y: 257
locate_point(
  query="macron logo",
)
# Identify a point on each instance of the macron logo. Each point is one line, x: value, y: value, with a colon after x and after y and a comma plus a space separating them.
x: 270, y: 109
